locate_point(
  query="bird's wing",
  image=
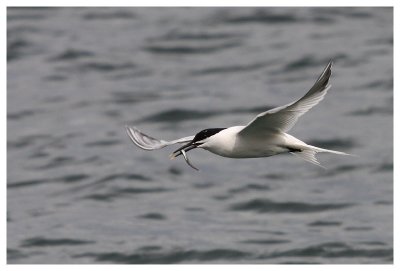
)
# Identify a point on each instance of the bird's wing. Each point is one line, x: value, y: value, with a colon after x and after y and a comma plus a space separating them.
x: 149, y: 143
x: 283, y: 118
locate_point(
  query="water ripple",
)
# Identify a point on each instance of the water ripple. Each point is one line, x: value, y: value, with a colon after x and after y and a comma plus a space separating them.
x: 18, y: 48
x: 26, y: 14
x: 274, y: 16
x: 266, y: 241
x: 249, y: 187
x: 73, y: 178
x: 303, y: 62
x: 177, y: 115
x: 168, y: 257
x: 261, y: 16
x: 103, y: 143
x: 23, y: 114
x: 120, y: 192
x: 72, y: 54
x: 109, y: 15
x: 333, y: 250
x: 168, y: 48
x: 230, y: 69
x: 320, y: 223
x: 373, y: 110
x: 193, y: 42
x: 124, y: 176
x: 201, y: 36
x: 129, y: 97
x: 58, y: 161
x: 385, y: 167
x: 153, y: 216
x: 268, y: 206
x: 97, y: 66
x: 46, y: 242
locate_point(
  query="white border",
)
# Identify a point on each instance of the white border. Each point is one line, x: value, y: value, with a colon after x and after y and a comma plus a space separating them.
x: 191, y: 3
x: 203, y: 3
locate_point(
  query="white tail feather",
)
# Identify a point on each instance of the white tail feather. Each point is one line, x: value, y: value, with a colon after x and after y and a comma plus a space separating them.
x: 308, y: 154
x: 316, y: 149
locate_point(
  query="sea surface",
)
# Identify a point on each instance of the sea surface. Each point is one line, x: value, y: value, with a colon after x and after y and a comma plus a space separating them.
x: 78, y: 191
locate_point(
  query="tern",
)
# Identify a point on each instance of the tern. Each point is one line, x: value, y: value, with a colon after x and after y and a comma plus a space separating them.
x: 266, y: 135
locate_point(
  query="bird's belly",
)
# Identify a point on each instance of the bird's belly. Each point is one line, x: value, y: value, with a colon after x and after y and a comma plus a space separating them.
x: 249, y: 151
x: 254, y: 153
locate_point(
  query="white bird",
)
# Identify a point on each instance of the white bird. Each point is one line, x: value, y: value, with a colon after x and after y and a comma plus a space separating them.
x: 266, y: 135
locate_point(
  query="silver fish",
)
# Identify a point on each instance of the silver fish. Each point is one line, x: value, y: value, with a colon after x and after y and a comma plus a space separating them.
x: 187, y: 159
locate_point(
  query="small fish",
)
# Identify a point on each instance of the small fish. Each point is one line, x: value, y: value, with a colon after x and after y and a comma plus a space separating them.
x: 187, y: 159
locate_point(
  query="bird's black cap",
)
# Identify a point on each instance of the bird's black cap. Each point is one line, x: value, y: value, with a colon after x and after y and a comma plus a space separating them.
x: 206, y: 133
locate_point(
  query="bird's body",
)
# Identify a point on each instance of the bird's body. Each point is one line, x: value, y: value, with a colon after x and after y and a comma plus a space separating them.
x: 229, y: 143
x: 266, y: 135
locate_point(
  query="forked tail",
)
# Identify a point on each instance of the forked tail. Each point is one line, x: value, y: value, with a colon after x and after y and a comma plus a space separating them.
x: 308, y: 152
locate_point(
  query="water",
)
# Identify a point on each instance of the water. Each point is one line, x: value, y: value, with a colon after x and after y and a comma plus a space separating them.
x: 78, y: 191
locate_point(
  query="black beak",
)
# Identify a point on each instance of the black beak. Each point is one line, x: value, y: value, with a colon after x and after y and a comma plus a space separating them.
x: 182, y: 151
x: 185, y: 148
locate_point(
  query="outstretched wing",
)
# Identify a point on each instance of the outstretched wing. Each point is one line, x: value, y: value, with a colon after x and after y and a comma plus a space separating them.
x: 149, y: 143
x: 283, y: 118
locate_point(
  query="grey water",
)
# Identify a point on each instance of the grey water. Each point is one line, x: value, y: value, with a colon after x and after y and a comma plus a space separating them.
x: 78, y: 191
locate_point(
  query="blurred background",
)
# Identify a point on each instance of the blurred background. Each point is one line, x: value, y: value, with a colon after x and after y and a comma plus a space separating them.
x: 78, y: 191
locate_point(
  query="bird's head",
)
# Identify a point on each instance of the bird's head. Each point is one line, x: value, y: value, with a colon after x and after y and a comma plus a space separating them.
x: 199, y: 139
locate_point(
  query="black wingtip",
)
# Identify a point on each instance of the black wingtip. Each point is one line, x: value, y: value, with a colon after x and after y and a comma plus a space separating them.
x: 328, y: 66
x: 323, y: 79
x: 330, y: 63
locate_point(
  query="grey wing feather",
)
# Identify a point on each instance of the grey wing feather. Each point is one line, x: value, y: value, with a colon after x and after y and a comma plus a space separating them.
x: 149, y: 143
x: 283, y: 118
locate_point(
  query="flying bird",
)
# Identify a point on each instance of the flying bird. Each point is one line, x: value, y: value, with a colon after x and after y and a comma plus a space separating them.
x: 266, y: 135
